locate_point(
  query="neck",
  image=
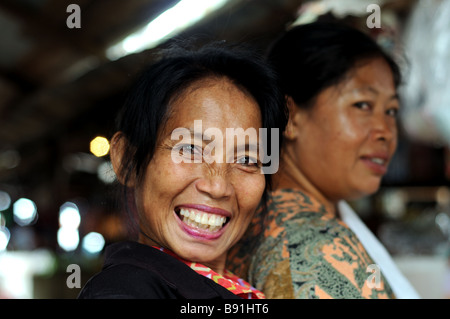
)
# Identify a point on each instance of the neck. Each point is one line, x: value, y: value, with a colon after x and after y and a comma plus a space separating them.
x: 290, y: 176
x: 216, y: 265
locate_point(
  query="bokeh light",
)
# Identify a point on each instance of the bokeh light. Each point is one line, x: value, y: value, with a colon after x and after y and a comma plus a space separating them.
x: 69, y: 220
x: 93, y: 243
x: 25, y: 211
x: 5, y: 200
x: 69, y: 216
x: 4, y: 238
x: 99, y: 146
x: 68, y: 238
x: 105, y: 173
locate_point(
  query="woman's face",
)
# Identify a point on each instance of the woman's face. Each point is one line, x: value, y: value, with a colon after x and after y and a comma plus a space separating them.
x: 199, y: 210
x: 347, y: 138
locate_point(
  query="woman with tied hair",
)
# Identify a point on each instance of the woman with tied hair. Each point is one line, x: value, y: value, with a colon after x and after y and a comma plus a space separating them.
x: 190, y: 204
x: 341, y: 91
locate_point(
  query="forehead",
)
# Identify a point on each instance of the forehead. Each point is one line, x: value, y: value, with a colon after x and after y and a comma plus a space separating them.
x: 372, y: 75
x: 217, y: 102
x: 369, y: 79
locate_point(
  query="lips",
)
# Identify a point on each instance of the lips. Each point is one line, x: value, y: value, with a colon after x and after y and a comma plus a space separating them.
x: 202, y: 221
x: 377, y: 163
x: 377, y: 160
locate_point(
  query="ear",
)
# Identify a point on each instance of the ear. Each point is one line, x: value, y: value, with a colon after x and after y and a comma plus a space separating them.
x: 295, y: 117
x: 117, y: 152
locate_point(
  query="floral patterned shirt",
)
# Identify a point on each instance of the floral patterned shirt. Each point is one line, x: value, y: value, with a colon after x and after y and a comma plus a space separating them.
x: 228, y: 280
x: 300, y: 250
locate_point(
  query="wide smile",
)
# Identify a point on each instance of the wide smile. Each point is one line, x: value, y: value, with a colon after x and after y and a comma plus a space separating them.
x: 202, y: 222
x: 377, y: 164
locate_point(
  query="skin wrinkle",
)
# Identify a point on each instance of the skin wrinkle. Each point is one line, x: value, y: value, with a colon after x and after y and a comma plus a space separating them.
x: 234, y: 187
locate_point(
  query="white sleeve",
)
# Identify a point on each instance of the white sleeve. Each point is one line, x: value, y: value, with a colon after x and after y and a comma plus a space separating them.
x: 401, y: 287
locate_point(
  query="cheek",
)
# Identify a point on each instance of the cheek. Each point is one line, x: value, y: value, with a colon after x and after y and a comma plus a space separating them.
x: 393, y: 147
x: 394, y: 143
x: 350, y: 127
x: 167, y: 176
x: 335, y: 149
x: 164, y: 181
x: 349, y: 138
x: 249, y: 191
x: 332, y: 143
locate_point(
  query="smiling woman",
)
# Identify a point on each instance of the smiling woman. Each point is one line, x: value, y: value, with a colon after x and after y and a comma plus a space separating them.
x: 190, y: 213
x: 340, y: 138
x: 228, y: 191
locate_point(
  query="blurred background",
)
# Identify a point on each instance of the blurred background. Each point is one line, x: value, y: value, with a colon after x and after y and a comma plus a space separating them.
x: 62, y: 79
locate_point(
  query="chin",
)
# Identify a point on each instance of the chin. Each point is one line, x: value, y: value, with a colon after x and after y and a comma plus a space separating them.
x: 201, y: 255
x: 367, y: 190
x: 367, y: 186
x: 359, y: 190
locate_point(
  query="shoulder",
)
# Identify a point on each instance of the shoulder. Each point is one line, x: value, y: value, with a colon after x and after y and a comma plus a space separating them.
x: 294, y: 222
x: 317, y: 253
x: 287, y: 208
x: 134, y: 270
x: 288, y: 204
x: 308, y: 233
x: 292, y: 199
x: 126, y: 281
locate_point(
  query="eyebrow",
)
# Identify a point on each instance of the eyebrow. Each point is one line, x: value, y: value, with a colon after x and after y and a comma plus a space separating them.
x: 196, y: 134
x: 375, y: 91
x: 238, y: 148
x: 246, y: 146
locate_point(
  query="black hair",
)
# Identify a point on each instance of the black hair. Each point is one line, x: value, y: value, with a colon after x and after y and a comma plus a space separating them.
x: 312, y: 57
x: 147, y: 107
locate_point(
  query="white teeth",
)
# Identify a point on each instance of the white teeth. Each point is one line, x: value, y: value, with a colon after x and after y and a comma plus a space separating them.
x: 377, y: 160
x: 212, y: 220
x: 220, y: 220
x: 184, y: 212
x: 202, y: 220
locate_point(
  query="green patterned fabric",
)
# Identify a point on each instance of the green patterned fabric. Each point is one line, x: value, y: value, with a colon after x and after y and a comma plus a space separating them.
x: 300, y: 250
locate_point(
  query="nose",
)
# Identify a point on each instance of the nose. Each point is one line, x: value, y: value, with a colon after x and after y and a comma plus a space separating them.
x: 215, y: 184
x: 384, y: 128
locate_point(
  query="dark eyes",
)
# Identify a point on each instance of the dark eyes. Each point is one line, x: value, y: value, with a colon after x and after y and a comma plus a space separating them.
x: 193, y: 151
x: 247, y: 160
x: 392, y: 112
x: 248, y: 163
x: 362, y: 105
x: 188, y: 150
x: 366, y: 106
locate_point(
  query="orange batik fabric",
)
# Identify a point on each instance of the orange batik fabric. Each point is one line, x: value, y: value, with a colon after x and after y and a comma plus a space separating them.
x: 297, y: 249
x: 228, y: 280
